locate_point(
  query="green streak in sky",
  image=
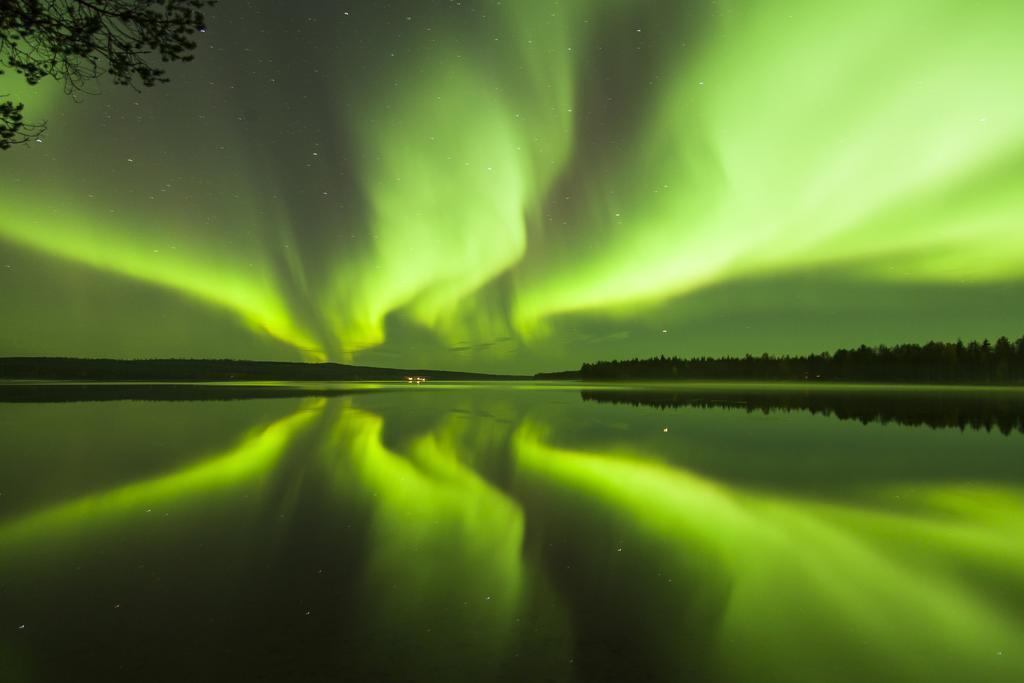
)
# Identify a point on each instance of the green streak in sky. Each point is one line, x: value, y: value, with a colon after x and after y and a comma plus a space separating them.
x: 504, y: 174
x: 817, y: 133
x: 156, y: 254
x: 457, y: 157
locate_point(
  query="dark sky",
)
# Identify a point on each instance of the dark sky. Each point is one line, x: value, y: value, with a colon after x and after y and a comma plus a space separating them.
x: 527, y: 185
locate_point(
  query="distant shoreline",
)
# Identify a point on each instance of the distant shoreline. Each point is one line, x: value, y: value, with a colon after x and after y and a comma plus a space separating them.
x: 934, y: 363
x: 960, y: 405
x: 218, y: 370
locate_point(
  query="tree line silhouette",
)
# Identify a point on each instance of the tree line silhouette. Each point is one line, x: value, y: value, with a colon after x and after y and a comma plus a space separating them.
x: 932, y: 363
x: 78, y: 42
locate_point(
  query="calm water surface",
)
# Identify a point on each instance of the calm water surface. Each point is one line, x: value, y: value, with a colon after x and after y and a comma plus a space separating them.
x: 511, y: 532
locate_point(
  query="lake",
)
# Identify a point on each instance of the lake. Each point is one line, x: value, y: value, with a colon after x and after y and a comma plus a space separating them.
x: 513, y: 532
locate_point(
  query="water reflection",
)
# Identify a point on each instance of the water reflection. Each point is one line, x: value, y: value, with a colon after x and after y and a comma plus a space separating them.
x: 442, y: 561
x: 962, y: 408
x: 740, y: 585
x: 485, y: 533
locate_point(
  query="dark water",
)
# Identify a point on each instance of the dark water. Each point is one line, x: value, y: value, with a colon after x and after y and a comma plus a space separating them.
x: 517, y: 533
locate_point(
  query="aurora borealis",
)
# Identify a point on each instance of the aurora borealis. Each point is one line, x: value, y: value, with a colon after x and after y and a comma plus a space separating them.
x: 525, y: 185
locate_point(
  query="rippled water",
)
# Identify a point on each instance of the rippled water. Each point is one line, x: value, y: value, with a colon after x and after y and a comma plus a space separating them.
x: 511, y: 532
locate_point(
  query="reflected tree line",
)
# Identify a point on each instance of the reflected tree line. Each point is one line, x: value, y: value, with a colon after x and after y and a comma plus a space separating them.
x: 979, y: 411
x: 932, y: 363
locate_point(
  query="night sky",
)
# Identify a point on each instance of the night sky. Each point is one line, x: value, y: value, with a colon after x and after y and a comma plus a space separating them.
x: 529, y: 184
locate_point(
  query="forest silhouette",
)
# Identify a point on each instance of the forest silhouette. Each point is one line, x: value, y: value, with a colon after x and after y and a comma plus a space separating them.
x: 932, y: 363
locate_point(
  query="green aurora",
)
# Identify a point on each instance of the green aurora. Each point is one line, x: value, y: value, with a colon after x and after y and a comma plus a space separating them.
x: 523, y: 186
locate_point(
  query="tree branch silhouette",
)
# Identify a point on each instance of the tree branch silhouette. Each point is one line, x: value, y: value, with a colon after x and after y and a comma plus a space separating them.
x: 78, y: 42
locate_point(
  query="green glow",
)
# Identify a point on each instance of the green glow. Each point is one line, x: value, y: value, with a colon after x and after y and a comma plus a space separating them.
x: 821, y: 133
x: 441, y: 541
x: 448, y: 198
x: 158, y: 256
x: 791, y: 565
x: 241, y: 466
x: 482, y: 181
x: 471, y: 527
x: 456, y: 164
